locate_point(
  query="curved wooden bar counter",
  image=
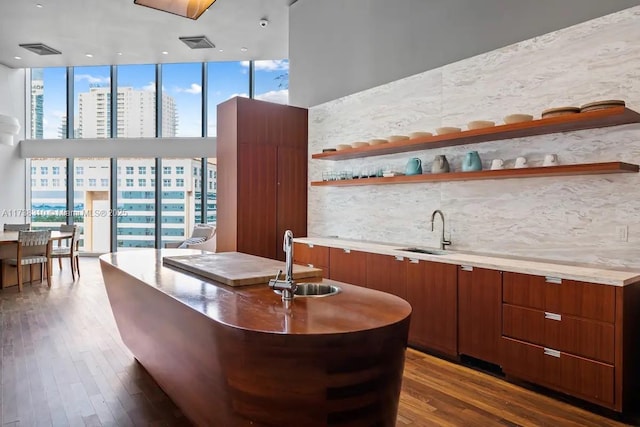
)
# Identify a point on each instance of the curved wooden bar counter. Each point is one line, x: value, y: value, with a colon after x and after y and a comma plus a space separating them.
x: 236, y: 356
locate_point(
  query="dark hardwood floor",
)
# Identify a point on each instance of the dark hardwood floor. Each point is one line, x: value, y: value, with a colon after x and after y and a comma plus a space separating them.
x: 63, y: 364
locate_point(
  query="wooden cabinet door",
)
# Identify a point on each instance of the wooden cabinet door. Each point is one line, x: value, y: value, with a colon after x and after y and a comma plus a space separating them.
x: 432, y: 293
x: 312, y: 256
x: 257, y: 201
x: 348, y: 266
x: 386, y: 273
x: 291, y: 194
x: 480, y: 313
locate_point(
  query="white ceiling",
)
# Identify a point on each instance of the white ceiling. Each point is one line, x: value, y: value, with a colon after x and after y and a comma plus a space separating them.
x: 105, y: 27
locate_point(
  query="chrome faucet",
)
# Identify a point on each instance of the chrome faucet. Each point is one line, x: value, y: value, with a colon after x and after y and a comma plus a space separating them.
x: 287, y: 286
x: 443, y: 241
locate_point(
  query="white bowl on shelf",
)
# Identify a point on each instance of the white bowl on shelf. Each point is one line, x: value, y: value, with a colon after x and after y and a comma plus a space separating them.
x: 416, y: 135
x: 480, y: 124
x: 517, y: 118
x: 359, y: 144
x: 445, y: 130
x: 377, y: 141
x: 396, y: 138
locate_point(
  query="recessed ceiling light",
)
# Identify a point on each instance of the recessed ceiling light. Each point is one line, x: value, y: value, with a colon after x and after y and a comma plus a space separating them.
x: 88, y: 55
x: 119, y: 53
x: 164, y: 52
x: 39, y: 6
x: 243, y: 49
x: 221, y: 50
x: 17, y: 57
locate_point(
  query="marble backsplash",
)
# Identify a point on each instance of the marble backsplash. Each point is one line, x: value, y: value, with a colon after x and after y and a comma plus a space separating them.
x: 574, y: 218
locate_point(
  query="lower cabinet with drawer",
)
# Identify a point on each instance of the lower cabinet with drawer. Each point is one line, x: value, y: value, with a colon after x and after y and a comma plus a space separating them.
x: 574, y: 337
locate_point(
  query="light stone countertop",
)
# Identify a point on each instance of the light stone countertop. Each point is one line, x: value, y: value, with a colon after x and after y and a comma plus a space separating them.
x: 540, y: 267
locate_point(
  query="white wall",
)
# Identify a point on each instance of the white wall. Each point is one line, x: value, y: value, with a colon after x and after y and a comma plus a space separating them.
x: 340, y: 47
x: 562, y: 218
x: 12, y: 167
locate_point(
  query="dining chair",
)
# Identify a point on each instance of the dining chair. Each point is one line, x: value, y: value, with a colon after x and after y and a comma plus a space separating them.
x: 17, y: 227
x: 70, y: 251
x: 34, y: 247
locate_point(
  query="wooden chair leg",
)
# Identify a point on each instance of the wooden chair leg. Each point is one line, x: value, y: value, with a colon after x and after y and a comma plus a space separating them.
x: 19, y: 267
x: 73, y: 269
x: 31, y: 273
x: 77, y: 264
x: 60, y: 262
x: 48, y: 273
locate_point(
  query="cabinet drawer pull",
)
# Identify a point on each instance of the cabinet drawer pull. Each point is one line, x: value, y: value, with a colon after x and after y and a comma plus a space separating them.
x: 551, y: 279
x: 552, y: 316
x: 310, y: 245
x: 551, y: 352
x: 347, y: 251
x: 399, y: 258
x: 414, y: 261
x: 466, y: 268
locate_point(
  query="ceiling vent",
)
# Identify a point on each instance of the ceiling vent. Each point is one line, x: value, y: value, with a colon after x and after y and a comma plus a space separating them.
x: 40, y: 49
x: 197, y: 42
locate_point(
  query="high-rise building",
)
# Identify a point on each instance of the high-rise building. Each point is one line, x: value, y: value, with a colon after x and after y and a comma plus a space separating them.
x: 136, y: 113
x: 37, y: 103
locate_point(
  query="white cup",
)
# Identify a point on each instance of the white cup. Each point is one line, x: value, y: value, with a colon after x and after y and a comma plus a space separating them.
x: 521, y: 162
x: 497, y: 164
x: 550, y: 160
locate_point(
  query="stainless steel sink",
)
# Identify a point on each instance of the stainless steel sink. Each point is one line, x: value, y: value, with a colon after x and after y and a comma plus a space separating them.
x: 423, y: 251
x: 314, y: 290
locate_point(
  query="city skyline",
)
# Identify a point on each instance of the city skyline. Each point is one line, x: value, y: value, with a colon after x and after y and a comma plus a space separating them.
x: 180, y: 81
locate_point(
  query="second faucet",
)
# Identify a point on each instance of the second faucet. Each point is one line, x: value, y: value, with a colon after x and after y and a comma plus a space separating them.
x: 443, y: 242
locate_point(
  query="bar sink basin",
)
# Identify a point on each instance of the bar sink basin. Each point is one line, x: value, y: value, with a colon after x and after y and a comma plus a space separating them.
x: 314, y: 290
x: 423, y: 251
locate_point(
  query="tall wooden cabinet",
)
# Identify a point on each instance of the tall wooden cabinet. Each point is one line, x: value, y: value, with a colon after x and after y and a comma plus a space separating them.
x: 262, y: 176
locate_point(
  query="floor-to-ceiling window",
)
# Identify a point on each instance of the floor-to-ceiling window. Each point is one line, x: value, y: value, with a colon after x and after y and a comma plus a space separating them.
x: 132, y: 185
x: 136, y: 180
x: 92, y: 183
x: 48, y: 121
x: 182, y: 91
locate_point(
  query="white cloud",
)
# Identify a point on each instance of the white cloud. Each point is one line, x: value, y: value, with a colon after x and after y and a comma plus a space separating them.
x: 233, y: 95
x: 269, y: 65
x: 277, y: 96
x: 150, y: 87
x: 92, y: 79
x: 194, y: 89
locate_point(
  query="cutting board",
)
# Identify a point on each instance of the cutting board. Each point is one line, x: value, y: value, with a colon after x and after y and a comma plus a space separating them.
x: 237, y: 269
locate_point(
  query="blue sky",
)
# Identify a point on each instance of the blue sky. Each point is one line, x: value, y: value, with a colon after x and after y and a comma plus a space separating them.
x: 181, y: 81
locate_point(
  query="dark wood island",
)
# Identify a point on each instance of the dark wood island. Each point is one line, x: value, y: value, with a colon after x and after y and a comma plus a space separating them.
x: 235, y: 356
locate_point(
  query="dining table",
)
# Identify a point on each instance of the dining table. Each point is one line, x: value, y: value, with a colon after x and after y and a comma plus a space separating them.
x: 8, y: 248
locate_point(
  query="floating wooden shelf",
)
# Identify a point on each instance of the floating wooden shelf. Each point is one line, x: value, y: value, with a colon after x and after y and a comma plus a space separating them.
x: 571, y: 122
x: 562, y: 170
